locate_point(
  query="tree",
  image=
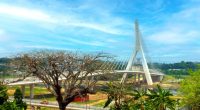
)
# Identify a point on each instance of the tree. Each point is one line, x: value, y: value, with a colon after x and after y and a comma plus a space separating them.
x: 140, y: 99
x: 64, y: 71
x: 3, y: 94
x: 125, y: 99
x: 8, y: 105
x: 160, y: 99
x: 18, y: 99
x: 117, y: 92
x: 190, y: 89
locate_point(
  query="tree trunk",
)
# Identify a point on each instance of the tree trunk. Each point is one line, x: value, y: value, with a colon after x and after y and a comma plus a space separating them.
x: 62, y: 106
x: 162, y: 107
x: 63, y: 102
x: 59, y: 98
x: 142, y: 107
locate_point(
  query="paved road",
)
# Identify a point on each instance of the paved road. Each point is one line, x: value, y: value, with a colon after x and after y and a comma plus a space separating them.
x: 71, y: 106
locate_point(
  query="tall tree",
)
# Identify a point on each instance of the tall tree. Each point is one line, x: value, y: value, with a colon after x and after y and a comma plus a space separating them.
x: 66, y: 75
x: 190, y: 89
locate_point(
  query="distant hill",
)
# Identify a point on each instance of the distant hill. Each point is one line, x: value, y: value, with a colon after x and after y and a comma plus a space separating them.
x: 4, y: 60
x: 4, y: 64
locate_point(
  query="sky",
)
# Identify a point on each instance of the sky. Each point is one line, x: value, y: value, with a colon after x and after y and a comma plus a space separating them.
x: 170, y: 28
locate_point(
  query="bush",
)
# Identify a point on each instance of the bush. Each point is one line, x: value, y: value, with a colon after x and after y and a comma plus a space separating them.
x: 3, y: 94
x: 9, y: 106
x: 18, y: 96
x: 17, y: 104
x: 190, y: 89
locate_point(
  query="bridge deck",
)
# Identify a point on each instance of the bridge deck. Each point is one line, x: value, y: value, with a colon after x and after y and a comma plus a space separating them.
x: 37, y: 81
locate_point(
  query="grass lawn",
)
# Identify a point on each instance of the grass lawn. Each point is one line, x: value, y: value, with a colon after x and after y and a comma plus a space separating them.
x: 37, y: 90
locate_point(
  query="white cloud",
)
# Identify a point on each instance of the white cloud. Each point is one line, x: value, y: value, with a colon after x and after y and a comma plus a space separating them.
x: 54, y: 21
x: 96, y: 26
x: 111, y: 41
x: 110, y: 24
x: 25, y: 13
x: 182, y: 27
x: 92, y: 43
x: 44, y: 47
x: 3, y: 36
x: 37, y: 46
x: 169, y: 36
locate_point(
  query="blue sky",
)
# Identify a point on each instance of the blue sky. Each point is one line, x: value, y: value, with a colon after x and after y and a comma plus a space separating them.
x: 170, y: 28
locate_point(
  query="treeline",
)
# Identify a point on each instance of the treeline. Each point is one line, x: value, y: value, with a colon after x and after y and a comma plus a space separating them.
x: 181, y: 68
x: 180, y: 65
x: 3, y: 65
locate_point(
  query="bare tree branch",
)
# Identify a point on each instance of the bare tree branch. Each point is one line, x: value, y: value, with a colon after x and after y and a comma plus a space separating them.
x: 75, y: 73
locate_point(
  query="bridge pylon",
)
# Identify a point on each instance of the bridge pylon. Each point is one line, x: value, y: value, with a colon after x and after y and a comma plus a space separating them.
x: 138, y: 49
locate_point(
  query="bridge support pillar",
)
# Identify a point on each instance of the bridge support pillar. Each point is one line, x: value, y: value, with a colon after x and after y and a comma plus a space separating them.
x: 23, y: 90
x: 138, y: 78
x: 143, y: 79
x: 135, y: 77
x: 31, y: 91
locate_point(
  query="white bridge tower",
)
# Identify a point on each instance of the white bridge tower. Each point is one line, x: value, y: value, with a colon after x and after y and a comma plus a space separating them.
x: 138, y: 48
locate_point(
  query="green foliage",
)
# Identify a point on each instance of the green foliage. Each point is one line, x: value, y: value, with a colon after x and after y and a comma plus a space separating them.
x: 3, y: 94
x: 117, y: 92
x: 9, y: 106
x: 17, y: 104
x: 140, y: 99
x: 158, y: 99
x: 18, y: 96
x: 12, y: 106
x: 167, y: 78
x: 190, y: 89
x: 180, y: 65
x: 176, y: 69
x: 4, y: 67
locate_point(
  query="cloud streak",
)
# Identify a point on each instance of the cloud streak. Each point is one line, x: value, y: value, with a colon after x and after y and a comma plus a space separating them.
x: 179, y: 28
x: 25, y: 13
x: 66, y: 20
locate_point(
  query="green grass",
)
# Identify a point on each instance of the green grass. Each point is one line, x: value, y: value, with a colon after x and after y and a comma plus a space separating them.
x: 86, y: 102
x: 42, y: 91
x: 37, y: 90
x: 101, y: 104
x: 167, y: 78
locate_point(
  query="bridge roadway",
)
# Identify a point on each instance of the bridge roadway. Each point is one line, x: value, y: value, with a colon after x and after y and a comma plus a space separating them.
x: 53, y: 104
x: 30, y: 80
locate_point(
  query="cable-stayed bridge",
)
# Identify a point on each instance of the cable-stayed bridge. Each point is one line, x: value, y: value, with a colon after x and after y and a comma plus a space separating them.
x: 136, y: 65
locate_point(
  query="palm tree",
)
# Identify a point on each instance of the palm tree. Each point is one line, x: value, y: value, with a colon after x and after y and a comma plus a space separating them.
x: 160, y: 99
x: 140, y: 99
x: 117, y: 92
